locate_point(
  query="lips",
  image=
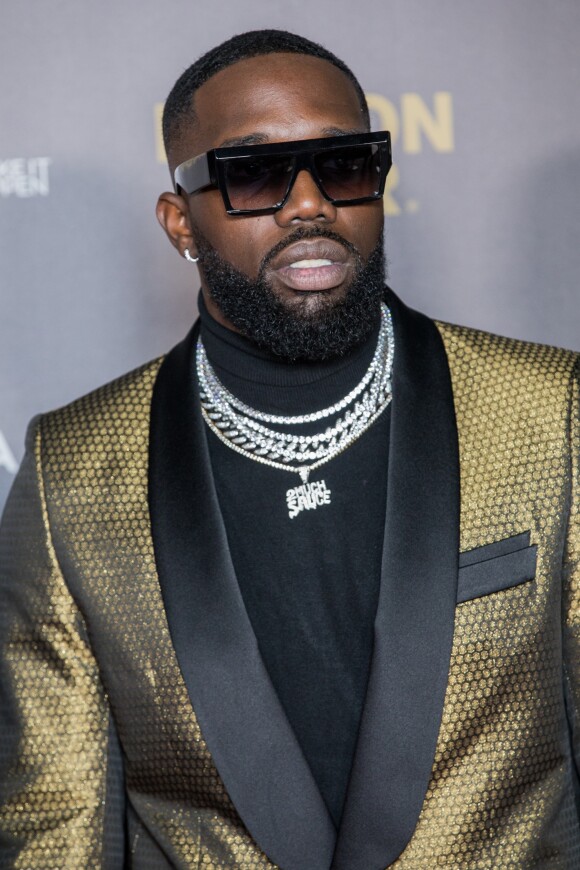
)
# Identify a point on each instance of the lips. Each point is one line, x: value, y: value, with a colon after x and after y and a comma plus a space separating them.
x: 312, y: 266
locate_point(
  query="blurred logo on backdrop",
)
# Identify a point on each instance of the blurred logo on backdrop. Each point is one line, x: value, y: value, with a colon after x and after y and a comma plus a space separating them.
x: 24, y: 177
x: 8, y: 468
x: 416, y: 123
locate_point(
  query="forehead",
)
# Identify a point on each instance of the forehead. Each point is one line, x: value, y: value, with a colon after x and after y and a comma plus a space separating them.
x: 274, y: 97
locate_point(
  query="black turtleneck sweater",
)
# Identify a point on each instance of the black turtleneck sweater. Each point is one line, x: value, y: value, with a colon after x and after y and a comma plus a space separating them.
x: 310, y: 584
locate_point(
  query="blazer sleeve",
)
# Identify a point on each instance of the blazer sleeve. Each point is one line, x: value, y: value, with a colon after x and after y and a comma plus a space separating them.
x: 571, y: 581
x: 55, y: 733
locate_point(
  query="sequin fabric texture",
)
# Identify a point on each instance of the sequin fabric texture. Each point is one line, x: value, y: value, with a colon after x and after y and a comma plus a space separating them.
x: 90, y: 665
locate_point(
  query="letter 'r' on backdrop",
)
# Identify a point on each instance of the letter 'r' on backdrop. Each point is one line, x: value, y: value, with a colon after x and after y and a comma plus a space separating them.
x: 482, y: 207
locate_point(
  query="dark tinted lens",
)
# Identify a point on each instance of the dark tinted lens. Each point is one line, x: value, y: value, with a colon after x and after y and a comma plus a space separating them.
x: 349, y: 173
x: 257, y: 182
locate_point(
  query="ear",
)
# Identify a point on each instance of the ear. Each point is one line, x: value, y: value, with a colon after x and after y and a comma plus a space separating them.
x: 173, y: 215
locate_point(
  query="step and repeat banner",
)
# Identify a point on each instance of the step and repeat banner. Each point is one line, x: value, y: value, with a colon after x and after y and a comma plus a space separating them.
x: 482, y: 208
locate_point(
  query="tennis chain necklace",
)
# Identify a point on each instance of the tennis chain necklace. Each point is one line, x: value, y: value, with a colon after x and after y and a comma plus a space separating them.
x: 243, y: 428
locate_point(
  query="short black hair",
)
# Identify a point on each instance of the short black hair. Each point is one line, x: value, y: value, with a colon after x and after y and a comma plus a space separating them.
x: 179, y: 109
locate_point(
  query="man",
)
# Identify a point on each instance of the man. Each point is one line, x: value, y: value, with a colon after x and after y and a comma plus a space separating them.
x: 305, y: 593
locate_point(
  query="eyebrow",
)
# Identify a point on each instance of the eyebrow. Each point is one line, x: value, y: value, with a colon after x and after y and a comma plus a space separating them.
x: 339, y: 131
x: 263, y: 138
x: 251, y: 139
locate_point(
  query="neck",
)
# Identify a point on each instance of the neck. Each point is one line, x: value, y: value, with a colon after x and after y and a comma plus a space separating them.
x: 266, y: 382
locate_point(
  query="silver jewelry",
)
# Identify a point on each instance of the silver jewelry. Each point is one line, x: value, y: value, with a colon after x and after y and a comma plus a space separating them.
x: 188, y: 256
x: 242, y: 428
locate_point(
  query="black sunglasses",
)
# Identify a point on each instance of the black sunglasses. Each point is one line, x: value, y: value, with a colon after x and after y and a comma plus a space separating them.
x: 348, y: 170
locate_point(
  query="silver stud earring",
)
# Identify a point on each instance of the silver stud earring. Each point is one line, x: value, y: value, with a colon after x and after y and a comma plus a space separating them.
x: 188, y: 256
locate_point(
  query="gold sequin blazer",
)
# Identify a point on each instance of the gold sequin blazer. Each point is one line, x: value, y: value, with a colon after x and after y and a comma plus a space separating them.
x: 138, y: 725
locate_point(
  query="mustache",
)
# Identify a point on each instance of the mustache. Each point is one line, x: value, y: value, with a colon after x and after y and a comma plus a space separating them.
x: 299, y: 235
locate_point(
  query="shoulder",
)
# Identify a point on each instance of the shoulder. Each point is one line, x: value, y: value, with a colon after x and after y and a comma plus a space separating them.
x: 509, y: 392
x: 483, y: 358
x: 114, y: 416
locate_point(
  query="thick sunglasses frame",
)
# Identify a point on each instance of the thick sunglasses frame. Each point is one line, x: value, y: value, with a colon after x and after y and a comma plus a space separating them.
x: 208, y: 169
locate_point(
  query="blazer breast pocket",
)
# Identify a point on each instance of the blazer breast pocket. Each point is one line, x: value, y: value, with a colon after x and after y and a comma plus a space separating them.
x: 496, y: 566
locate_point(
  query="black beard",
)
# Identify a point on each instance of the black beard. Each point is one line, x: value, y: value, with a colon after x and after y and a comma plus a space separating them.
x: 294, y: 332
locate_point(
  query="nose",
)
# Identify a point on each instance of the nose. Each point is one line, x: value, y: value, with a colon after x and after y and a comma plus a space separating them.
x: 305, y: 203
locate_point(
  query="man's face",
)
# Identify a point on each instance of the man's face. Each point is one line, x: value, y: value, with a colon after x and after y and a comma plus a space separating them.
x: 276, y: 98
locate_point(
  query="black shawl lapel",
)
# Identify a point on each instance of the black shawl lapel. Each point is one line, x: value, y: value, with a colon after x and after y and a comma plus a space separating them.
x: 242, y: 721
x: 415, y: 617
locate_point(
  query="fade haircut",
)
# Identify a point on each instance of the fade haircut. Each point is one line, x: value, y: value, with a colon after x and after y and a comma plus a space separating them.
x: 179, y: 112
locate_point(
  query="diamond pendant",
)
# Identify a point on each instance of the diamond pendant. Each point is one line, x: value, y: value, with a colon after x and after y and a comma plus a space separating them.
x: 307, y: 496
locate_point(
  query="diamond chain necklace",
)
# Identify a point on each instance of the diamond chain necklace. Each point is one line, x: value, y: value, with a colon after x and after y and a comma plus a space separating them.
x: 241, y: 427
